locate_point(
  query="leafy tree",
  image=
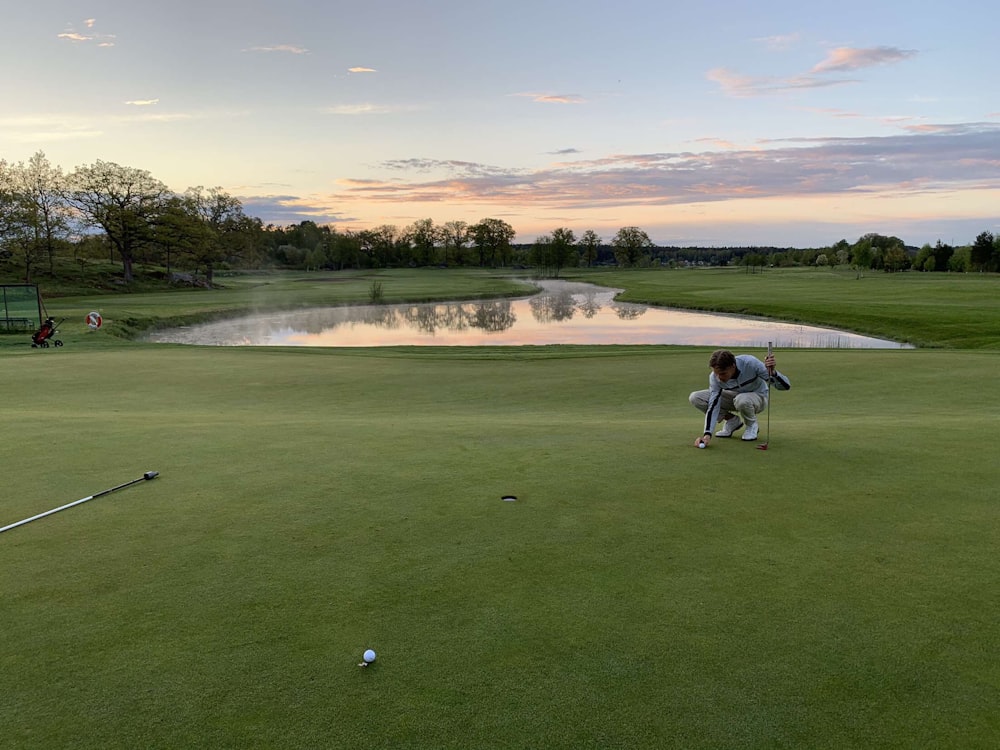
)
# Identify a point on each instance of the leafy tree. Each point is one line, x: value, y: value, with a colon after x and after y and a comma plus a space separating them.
x: 552, y: 252
x: 841, y: 252
x: 424, y: 237
x: 16, y: 242
x: 924, y: 260
x: 455, y: 236
x: 981, y: 255
x: 345, y: 250
x: 122, y: 201
x: 384, y: 243
x: 217, y: 224
x: 862, y: 255
x: 753, y: 261
x: 562, y: 249
x: 590, y: 242
x: 39, y: 188
x: 629, y: 245
x: 540, y: 253
x: 895, y: 259
x: 960, y: 261
x: 178, y: 230
x: 942, y: 254
x: 492, y: 238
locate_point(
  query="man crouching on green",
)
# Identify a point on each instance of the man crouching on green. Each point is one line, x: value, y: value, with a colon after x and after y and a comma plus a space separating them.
x: 737, y: 393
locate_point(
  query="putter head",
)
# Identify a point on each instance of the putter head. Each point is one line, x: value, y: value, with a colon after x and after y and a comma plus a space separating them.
x: 762, y: 447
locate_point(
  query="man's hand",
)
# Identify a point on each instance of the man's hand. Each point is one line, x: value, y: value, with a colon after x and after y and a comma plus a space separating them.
x: 769, y: 364
x: 702, y: 441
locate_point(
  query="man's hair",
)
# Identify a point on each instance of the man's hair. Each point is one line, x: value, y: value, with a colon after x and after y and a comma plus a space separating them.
x: 722, y: 359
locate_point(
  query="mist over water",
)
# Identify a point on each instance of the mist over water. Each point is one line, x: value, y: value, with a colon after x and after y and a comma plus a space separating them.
x: 561, y: 313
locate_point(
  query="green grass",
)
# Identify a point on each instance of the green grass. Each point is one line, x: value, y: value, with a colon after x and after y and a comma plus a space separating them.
x: 959, y: 311
x: 838, y: 590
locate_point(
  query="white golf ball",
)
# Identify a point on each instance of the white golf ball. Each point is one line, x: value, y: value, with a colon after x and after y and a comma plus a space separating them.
x: 369, y: 656
x: 701, y: 445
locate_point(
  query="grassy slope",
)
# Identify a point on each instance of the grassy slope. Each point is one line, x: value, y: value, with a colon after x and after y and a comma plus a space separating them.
x: 837, y: 590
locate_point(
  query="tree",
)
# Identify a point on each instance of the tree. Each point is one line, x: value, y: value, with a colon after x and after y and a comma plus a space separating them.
x: 959, y: 262
x: 562, y: 249
x: 553, y: 252
x: 841, y: 252
x: 924, y: 260
x: 981, y: 255
x: 455, y: 236
x: 123, y: 201
x: 590, y: 242
x: 178, y: 230
x: 424, y: 237
x: 540, y: 252
x: 222, y: 216
x: 629, y: 245
x: 942, y: 254
x: 861, y: 255
x: 895, y: 259
x: 383, y: 244
x: 15, y: 243
x: 39, y: 188
x: 492, y: 238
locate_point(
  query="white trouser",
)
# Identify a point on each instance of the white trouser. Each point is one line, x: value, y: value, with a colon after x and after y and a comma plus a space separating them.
x: 747, y: 405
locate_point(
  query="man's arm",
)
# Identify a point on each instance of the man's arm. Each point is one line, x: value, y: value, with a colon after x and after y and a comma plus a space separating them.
x: 774, y: 377
x: 714, y: 403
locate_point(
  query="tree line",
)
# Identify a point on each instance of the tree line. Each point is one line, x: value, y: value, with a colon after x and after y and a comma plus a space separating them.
x: 125, y: 215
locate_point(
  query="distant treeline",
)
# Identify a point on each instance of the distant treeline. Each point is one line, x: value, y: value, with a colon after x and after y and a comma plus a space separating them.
x: 105, y: 211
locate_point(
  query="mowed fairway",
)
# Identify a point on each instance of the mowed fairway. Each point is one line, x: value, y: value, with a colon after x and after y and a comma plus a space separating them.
x: 838, y: 590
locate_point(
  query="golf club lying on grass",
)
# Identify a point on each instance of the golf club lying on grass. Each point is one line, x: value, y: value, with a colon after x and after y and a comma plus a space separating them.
x: 767, y: 438
x: 147, y: 475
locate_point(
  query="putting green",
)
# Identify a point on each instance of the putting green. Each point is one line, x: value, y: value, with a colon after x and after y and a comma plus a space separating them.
x: 837, y: 590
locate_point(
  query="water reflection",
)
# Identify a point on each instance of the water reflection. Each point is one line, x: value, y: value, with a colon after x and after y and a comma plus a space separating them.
x: 561, y: 313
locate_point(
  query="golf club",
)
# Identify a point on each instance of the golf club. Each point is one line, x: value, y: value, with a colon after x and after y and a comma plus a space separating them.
x: 767, y: 438
x: 147, y: 475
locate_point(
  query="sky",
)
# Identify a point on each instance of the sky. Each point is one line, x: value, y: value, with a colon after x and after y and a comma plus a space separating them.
x: 730, y: 123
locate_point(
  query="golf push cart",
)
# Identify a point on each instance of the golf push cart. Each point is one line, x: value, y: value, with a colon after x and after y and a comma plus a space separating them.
x: 41, y: 337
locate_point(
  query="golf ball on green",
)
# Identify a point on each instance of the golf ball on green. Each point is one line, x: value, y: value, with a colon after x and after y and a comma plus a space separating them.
x: 369, y: 656
x: 701, y: 445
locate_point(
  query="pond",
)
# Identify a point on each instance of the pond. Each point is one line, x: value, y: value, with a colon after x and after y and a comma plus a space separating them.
x: 561, y: 313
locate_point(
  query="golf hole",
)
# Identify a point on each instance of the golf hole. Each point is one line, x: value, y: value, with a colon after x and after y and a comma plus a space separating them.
x: 509, y: 498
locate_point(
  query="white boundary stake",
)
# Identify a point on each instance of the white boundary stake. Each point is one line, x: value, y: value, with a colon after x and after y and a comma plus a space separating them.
x: 147, y: 475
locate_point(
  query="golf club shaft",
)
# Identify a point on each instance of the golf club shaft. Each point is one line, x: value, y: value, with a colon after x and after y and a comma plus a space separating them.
x: 770, y: 353
x: 147, y: 475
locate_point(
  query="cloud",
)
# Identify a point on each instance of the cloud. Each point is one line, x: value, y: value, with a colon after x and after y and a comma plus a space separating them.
x: 839, y: 60
x: 743, y: 86
x: 72, y: 35
x: 366, y: 108
x: 68, y: 127
x: 143, y: 102
x: 851, y: 58
x: 287, y: 48
x: 932, y: 159
x: 565, y: 152
x: 362, y: 70
x: 554, y: 98
x: 718, y: 143
x: 357, y: 109
x: 290, y: 209
x: 779, y: 42
x: 450, y: 166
